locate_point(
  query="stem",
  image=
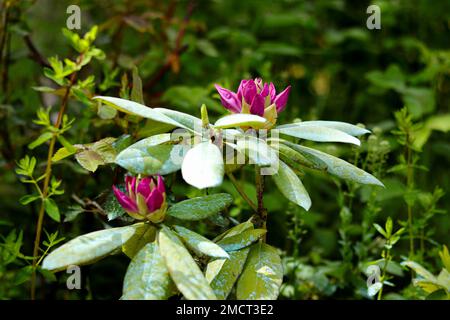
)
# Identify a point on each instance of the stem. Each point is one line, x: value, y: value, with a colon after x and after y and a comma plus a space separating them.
x: 261, y: 212
x: 241, y: 191
x: 386, y: 261
x: 409, y: 183
x: 48, y: 171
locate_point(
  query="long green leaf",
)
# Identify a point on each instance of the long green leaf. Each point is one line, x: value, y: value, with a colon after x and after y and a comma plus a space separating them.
x: 138, y: 109
x: 203, y: 166
x: 262, y: 276
x: 88, y: 248
x: 147, y: 277
x: 200, y: 244
x: 200, y: 207
x: 291, y: 186
x: 149, y: 156
x: 241, y: 240
x: 182, y: 268
x: 223, y: 273
x: 338, y: 125
x: 320, y: 134
x: 336, y: 166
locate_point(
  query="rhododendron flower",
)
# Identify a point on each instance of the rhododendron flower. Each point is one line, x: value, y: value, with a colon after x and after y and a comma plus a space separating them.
x: 144, y: 198
x: 255, y: 97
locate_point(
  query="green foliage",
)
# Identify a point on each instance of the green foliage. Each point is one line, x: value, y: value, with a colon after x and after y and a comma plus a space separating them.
x: 80, y: 109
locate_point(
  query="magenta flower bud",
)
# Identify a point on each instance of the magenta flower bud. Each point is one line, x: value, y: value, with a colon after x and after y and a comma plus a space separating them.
x: 249, y: 91
x: 257, y: 105
x: 258, y: 98
x: 144, y: 198
x: 229, y: 99
x: 281, y: 99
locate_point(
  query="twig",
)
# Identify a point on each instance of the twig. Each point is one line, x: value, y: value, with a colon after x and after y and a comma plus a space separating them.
x: 48, y: 171
x: 34, y: 52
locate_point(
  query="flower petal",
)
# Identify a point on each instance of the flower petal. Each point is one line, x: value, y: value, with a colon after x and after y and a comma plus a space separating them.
x: 257, y: 106
x: 265, y: 90
x: 144, y: 187
x: 249, y: 91
x: 272, y: 92
x: 154, y: 200
x: 281, y: 99
x: 229, y: 99
x: 161, y: 187
x: 124, y: 201
x: 241, y: 88
x: 130, y: 184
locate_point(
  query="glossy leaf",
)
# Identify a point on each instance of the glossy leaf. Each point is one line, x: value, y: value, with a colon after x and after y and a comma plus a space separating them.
x: 144, y: 234
x: 200, y: 244
x: 320, y: 134
x: 147, y: 277
x: 138, y: 109
x: 88, y: 248
x: 337, y: 125
x: 200, y: 207
x: 291, y: 186
x: 257, y: 150
x: 241, y: 120
x: 150, y: 156
x: 182, y: 268
x: 262, y: 275
x: 241, y: 240
x: 338, y: 167
x: 203, y: 166
x: 223, y: 273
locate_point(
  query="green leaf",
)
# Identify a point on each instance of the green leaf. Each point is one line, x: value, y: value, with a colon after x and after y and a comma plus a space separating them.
x: 241, y: 240
x: 389, y: 226
x: 440, y: 294
x: 235, y: 230
x: 89, y: 248
x: 66, y: 144
x: 52, y: 209
x: 320, y: 134
x: 106, y: 112
x: 241, y: 120
x: 89, y: 160
x: 223, y: 273
x: 337, y: 125
x: 150, y: 156
x: 203, y: 166
x: 28, y: 198
x: 291, y: 186
x: 144, y: 234
x: 257, y: 151
x: 336, y: 166
x: 147, y: 277
x: 182, y: 268
x: 380, y: 230
x: 61, y: 154
x: 136, y: 91
x: 262, y: 276
x: 445, y: 257
x: 134, y: 108
x: 200, y: 207
x: 188, y: 121
x: 421, y: 271
x: 200, y: 244
x: 40, y: 140
x: 23, y: 275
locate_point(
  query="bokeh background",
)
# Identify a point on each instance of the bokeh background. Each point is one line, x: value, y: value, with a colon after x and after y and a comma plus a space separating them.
x: 338, y: 70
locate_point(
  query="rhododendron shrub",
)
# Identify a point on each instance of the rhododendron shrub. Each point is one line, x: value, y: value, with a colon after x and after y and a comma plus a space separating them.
x: 165, y: 254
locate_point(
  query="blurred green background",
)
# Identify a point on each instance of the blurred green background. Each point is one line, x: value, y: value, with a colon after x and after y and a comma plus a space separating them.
x: 338, y: 70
